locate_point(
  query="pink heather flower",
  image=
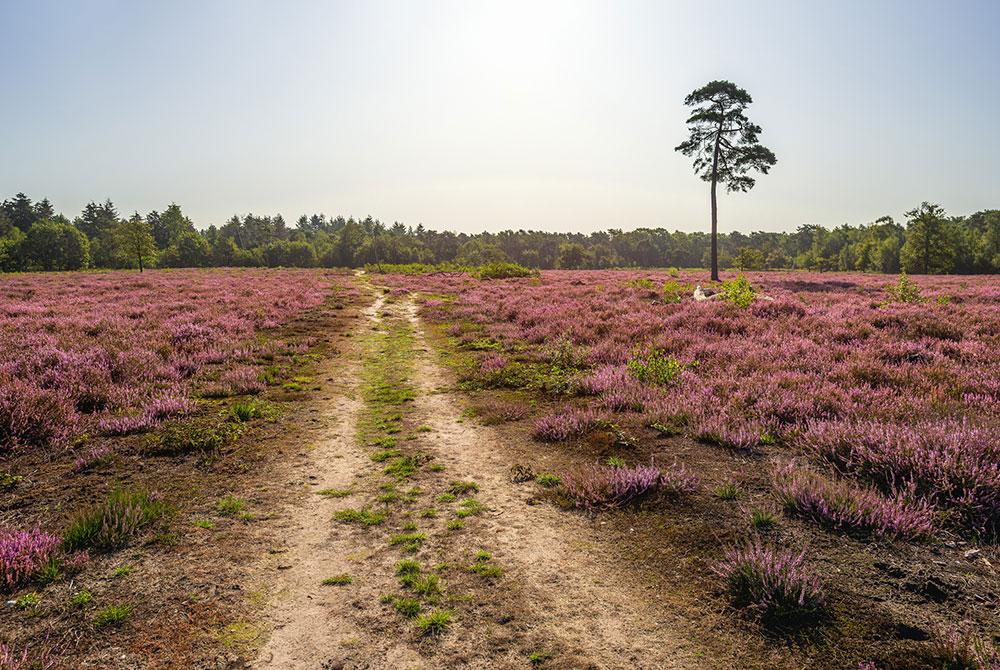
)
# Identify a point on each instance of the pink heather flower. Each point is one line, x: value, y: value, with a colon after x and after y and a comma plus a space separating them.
x: 563, y: 425
x: 242, y: 381
x: 23, y: 554
x: 772, y: 581
x: 491, y: 363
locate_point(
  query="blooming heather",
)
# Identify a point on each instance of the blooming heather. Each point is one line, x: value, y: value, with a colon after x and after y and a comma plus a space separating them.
x: 116, y: 352
x: 23, y: 554
x: 772, y: 581
x: 604, y: 486
x: 565, y: 424
x: 842, y: 506
x: 826, y: 360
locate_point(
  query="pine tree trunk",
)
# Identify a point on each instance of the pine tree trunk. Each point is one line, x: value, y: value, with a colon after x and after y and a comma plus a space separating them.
x: 715, y: 207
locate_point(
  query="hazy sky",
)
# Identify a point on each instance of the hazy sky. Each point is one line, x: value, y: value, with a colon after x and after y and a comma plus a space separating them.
x: 487, y: 115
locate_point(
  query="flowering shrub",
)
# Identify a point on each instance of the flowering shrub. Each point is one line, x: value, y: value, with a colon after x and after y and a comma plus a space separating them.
x: 23, y: 554
x: 951, y: 465
x: 565, y: 424
x: 115, y: 352
x: 842, y: 506
x: 827, y: 353
x: 904, y: 290
x: 771, y: 581
x: 604, y: 486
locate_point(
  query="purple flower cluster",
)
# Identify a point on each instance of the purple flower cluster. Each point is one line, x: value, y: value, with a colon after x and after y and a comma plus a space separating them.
x: 599, y: 486
x: 563, y: 425
x: 115, y: 352
x: 22, y: 554
x: 772, y: 581
x: 843, y: 506
x: 952, y: 465
x: 829, y: 353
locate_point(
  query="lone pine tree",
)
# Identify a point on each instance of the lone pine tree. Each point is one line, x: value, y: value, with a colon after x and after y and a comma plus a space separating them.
x: 724, y: 145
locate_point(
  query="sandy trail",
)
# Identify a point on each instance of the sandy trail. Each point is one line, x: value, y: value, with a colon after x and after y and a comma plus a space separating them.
x: 575, y: 586
x: 307, y: 618
x: 569, y: 591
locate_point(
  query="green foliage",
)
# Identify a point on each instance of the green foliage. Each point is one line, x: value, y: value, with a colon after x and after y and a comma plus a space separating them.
x: 408, y: 542
x: 547, y: 480
x: 28, y: 601
x: 739, y: 291
x: 469, y: 507
x: 50, y: 245
x: 113, y: 615
x: 113, y: 523
x: 459, y: 487
x: 335, y: 493
x: 134, y: 244
x: 182, y: 438
x: 905, y: 290
x: 435, y: 623
x: 9, y: 481
x: 728, y: 491
x: 408, y: 607
x: 81, y: 599
x: 230, y: 505
x: 244, y: 411
x: 762, y: 519
x: 502, y: 270
x: 338, y: 580
x: 402, y: 467
x: 657, y: 368
x: 363, y: 517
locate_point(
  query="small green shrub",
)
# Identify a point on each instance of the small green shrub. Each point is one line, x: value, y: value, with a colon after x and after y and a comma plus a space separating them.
x: 657, y: 367
x: 179, y: 439
x: 8, y: 481
x: 206, y: 524
x: 455, y: 524
x: 461, y: 487
x: 81, y: 599
x: 547, y: 480
x: 384, y: 455
x: 244, y: 411
x: 408, y: 542
x: 502, y: 270
x: 113, y: 523
x: 728, y: 491
x: 335, y: 493
x: 469, y: 507
x: 905, y: 290
x: 28, y: 601
x: 122, y: 571
x: 408, y: 566
x: 230, y: 505
x: 113, y: 615
x: 616, y: 461
x: 435, y: 623
x: 762, y: 519
x: 739, y: 291
x: 408, y: 607
x: 403, y: 467
x: 363, y: 517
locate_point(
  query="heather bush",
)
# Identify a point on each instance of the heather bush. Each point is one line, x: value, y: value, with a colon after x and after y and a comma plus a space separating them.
x: 599, y: 486
x: 180, y: 439
x: 113, y: 523
x: 564, y: 425
x: 957, y: 649
x: 117, y: 353
x: 771, y: 581
x: 951, y: 465
x: 23, y: 554
x: 842, y: 506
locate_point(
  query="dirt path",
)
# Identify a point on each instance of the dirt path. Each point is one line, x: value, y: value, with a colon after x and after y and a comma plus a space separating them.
x: 562, y: 601
x: 577, y: 591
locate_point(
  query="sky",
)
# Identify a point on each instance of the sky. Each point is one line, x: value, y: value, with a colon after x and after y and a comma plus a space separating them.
x: 471, y: 115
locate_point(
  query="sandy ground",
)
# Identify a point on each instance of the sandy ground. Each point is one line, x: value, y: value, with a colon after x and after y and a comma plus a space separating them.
x: 561, y: 591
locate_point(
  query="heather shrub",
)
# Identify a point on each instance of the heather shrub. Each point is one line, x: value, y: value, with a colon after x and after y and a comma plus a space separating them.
x: 771, y: 581
x: 113, y: 524
x: 950, y: 465
x: 598, y: 486
x: 242, y: 381
x: 841, y: 506
x: 32, y: 416
x: 23, y: 554
x: 493, y: 411
x: 739, y: 291
x: 563, y: 425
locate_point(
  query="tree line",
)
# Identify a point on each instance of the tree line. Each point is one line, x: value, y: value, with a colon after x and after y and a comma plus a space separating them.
x: 34, y: 237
